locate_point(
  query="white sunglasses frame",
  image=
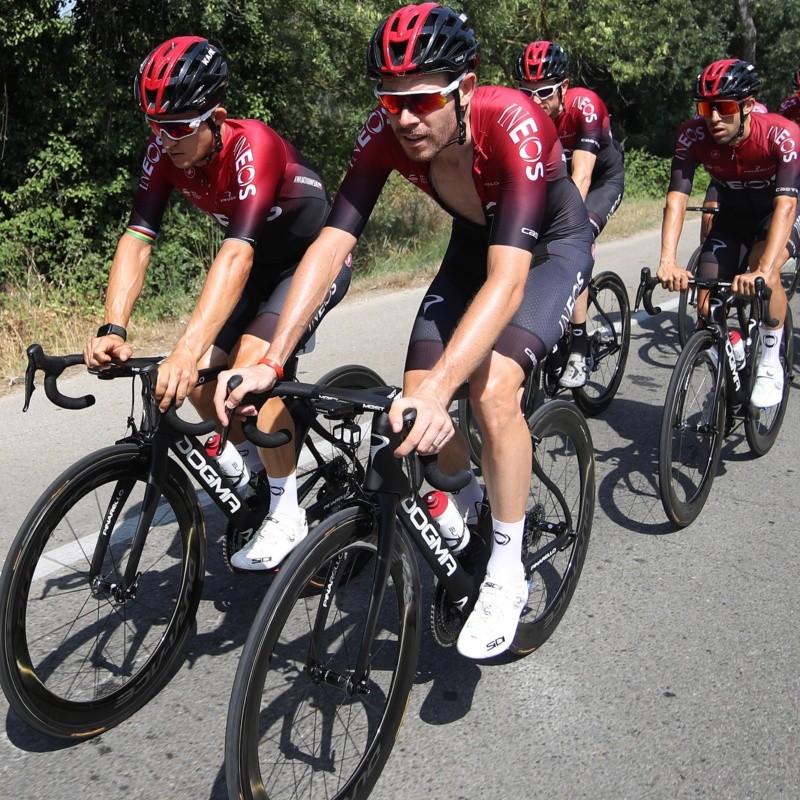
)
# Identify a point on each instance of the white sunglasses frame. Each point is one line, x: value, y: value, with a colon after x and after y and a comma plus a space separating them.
x: 533, y: 92
x: 193, y: 122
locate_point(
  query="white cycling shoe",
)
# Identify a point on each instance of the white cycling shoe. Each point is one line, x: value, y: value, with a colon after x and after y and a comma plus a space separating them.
x: 767, y: 387
x: 490, y: 628
x: 271, y: 543
x: 575, y: 372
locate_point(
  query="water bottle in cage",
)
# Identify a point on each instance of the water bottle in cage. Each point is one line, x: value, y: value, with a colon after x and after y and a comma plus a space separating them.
x: 451, y: 524
x: 230, y: 462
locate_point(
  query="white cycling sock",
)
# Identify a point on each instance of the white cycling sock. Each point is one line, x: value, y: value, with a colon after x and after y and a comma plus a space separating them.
x: 770, y: 346
x: 505, y: 562
x: 284, y: 496
x: 249, y: 452
x: 467, y: 500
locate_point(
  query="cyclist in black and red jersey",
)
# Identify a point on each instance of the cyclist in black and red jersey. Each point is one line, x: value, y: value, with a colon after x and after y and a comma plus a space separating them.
x: 271, y: 204
x: 790, y: 107
x: 754, y: 159
x: 594, y: 160
x: 519, y: 254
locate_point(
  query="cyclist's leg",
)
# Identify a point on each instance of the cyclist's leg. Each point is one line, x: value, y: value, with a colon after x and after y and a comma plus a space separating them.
x: 602, y: 201
x: 286, y: 524
x: 767, y: 388
x: 463, y: 271
x: 720, y: 255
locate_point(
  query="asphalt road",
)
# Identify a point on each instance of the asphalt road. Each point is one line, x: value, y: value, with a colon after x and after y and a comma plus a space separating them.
x: 674, y: 673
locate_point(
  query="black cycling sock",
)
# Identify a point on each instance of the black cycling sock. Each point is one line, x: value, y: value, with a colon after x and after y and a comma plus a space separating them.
x: 578, y: 342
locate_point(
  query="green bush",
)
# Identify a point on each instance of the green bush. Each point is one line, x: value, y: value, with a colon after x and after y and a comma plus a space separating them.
x: 647, y: 176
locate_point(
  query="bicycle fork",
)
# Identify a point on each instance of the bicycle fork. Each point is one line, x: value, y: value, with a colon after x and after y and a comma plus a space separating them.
x: 126, y: 589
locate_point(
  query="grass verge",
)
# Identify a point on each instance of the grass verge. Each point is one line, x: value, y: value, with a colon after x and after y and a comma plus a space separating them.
x: 36, y: 313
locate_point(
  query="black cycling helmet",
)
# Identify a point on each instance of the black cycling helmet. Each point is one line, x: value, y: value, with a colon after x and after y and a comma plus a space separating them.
x: 424, y: 38
x: 541, y: 61
x: 186, y: 74
x: 729, y: 79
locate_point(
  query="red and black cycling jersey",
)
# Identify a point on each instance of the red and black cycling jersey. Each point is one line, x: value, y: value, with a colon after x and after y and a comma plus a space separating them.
x: 750, y: 174
x: 516, y: 155
x: 259, y: 188
x: 790, y: 108
x: 585, y: 124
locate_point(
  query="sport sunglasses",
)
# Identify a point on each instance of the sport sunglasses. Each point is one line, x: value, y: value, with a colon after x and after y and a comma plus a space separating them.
x: 178, y: 128
x: 417, y: 102
x: 543, y: 93
x: 725, y: 108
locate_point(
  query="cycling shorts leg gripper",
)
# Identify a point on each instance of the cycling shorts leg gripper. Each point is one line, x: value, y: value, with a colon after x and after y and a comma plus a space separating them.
x: 731, y: 237
x: 561, y: 270
x: 260, y: 307
x: 602, y: 201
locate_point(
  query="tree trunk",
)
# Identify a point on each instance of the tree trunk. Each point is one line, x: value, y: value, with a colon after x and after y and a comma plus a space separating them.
x: 745, y: 9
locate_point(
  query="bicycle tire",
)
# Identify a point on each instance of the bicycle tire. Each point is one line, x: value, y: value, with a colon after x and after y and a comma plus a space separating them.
x: 468, y: 423
x: 687, y: 304
x: 692, y: 430
x: 287, y: 731
x: 608, y: 327
x: 560, y: 502
x: 111, y: 656
x: 328, y: 475
x: 762, y: 425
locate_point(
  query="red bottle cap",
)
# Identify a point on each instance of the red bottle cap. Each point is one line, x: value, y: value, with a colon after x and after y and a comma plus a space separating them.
x: 212, y: 445
x: 735, y: 336
x: 436, y: 502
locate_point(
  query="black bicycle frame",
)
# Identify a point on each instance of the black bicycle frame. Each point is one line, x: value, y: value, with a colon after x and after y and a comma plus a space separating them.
x: 397, y: 502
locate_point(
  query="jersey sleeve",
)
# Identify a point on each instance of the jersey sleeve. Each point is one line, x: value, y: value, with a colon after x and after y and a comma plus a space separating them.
x: 152, y: 193
x: 258, y: 165
x: 519, y: 142
x: 370, y: 167
x: 785, y: 142
x: 684, y: 159
x: 590, y: 115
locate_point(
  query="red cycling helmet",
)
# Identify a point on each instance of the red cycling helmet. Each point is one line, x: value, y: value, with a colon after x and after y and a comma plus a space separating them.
x: 541, y: 61
x: 423, y: 38
x: 730, y: 78
x: 184, y: 74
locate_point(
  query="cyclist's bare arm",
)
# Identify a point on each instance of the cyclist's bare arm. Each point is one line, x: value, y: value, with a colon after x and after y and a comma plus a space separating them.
x: 317, y: 271
x: 582, y: 167
x: 672, y: 276
x: 774, y: 253
x: 226, y: 279
x: 489, y: 313
x: 125, y: 282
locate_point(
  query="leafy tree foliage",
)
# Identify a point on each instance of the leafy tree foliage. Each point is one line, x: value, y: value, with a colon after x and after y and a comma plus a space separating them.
x: 71, y: 138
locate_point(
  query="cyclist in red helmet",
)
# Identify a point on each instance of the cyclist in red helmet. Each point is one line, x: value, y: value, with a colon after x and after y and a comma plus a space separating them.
x: 790, y: 107
x: 520, y: 253
x: 754, y: 160
x: 271, y: 204
x: 594, y: 160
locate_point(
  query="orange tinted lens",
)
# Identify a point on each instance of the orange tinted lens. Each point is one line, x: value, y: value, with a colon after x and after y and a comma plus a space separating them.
x: 725, y: 108
x: 417, y: 104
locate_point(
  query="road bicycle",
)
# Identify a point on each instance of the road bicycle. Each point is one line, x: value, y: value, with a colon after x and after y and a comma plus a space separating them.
x: 687, y: 302
x: 102, y: 583
x: 608, y: 327
x: 325, y: 674
x: 709, y: 397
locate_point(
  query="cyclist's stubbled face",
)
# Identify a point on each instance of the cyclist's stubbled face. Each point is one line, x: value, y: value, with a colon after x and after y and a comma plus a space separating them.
x: 552, y: 105
x: 723, y: 129
x: 190, y: 150
x: 424, y: 135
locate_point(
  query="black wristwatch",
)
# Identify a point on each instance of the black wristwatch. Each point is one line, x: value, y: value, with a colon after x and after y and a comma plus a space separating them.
x: 117, y: 330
